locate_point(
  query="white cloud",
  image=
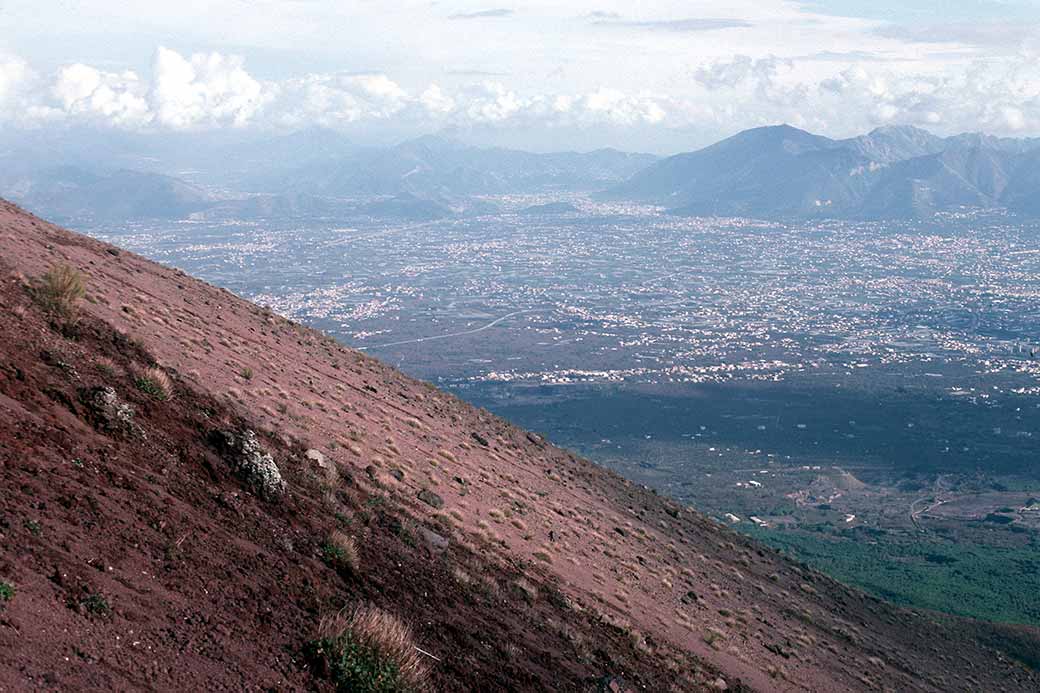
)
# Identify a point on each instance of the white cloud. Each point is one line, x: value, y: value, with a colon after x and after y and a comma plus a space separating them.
x: 14, y: 72
x: 620, y: 108
x: 336, y: 100
x: 119, y: 99
x: 15, y: 78
x: 436, y: 101
x: 492, y: 102
x: 204, y: 90
x: 1000, y: 96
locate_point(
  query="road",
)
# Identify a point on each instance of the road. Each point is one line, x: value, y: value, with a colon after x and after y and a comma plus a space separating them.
x: 936, y: 498
x: 451, y: 334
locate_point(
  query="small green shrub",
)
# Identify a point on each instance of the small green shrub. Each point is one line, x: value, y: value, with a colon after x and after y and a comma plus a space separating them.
x: 340, y: 551
x: 369, y: 651
x: 149, y: 387
x: 97, y: 605
x: 6, y: 591
x: 155, y: 383
x: 246, y: 373
x: 359, y: 669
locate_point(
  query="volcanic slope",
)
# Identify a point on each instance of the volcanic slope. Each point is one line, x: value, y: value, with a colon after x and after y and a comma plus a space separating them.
x: 139, y: 552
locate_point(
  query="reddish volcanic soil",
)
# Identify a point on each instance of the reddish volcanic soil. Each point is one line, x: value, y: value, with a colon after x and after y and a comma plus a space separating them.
x: 141, y: 560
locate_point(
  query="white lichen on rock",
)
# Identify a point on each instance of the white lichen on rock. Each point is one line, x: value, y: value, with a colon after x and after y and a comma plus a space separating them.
x: 252, y: 463
x: 110, y: 413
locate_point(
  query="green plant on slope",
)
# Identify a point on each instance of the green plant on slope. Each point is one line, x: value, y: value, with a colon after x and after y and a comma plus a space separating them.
x: 340, y: 551
x: 155, y: 383
x: 97, y: 605
x: 369, y: 651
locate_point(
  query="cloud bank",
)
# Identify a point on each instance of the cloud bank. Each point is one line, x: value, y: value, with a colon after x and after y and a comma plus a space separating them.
x: 214, y: 90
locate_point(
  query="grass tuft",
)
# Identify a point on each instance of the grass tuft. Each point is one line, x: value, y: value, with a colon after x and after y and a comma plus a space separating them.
x: 155, y: 383
x: 369, y: 651
x: 60, y: 291
x: 340, y: 551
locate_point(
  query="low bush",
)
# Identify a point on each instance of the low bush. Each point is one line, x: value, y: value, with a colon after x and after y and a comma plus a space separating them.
x: 369, y: 651
x: 340, y: 551
x: 155, y: 383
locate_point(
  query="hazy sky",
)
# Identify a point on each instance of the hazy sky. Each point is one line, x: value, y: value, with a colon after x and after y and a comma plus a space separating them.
x: 658, y: 75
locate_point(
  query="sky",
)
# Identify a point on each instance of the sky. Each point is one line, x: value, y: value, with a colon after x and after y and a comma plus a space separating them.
x: 659, y: 75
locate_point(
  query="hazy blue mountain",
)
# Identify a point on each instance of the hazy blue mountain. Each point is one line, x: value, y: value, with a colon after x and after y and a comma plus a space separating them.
x: 432, y: 166
x: 895, y: 143
x: 920, y: 187
x: 71, y: 193
x: 1007, y: 145
x: 892, y: 172
x: 777, y: 171
x: 1022, y: 193
x: 406, y: 207
x: 278, y: 207
x: 764, y: 171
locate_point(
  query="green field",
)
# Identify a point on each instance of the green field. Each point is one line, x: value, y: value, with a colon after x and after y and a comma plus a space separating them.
x: 981, y: 581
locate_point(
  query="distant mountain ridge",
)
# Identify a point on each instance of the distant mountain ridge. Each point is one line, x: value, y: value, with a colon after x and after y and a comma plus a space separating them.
x: 437, y: 166
x: 314, y: 172
x: 73, y: 193
x: 891, y: 172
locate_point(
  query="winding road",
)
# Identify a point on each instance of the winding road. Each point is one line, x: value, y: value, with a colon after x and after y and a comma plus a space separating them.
x: 451, y: 334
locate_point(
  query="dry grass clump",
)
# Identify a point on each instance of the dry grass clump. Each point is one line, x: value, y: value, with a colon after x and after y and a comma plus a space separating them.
x: 60, y: 291
x: 714, y: 637
x: 340, y: 551
x: 154, y: 382
x: 106, y: 366
x: 415, y: 423
x: 370, y: 650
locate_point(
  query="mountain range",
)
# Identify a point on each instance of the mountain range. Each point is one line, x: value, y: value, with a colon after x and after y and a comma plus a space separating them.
x: 892, y: 172
x: 310, y: 173
x: 432, y: 166
x: 897, y: 172
x: 78, y: 194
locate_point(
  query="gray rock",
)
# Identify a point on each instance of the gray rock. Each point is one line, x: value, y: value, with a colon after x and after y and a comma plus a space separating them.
x: 430, y: 498
x: 108, y: 411
x: 436, y: 542
x: 251, y: 462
